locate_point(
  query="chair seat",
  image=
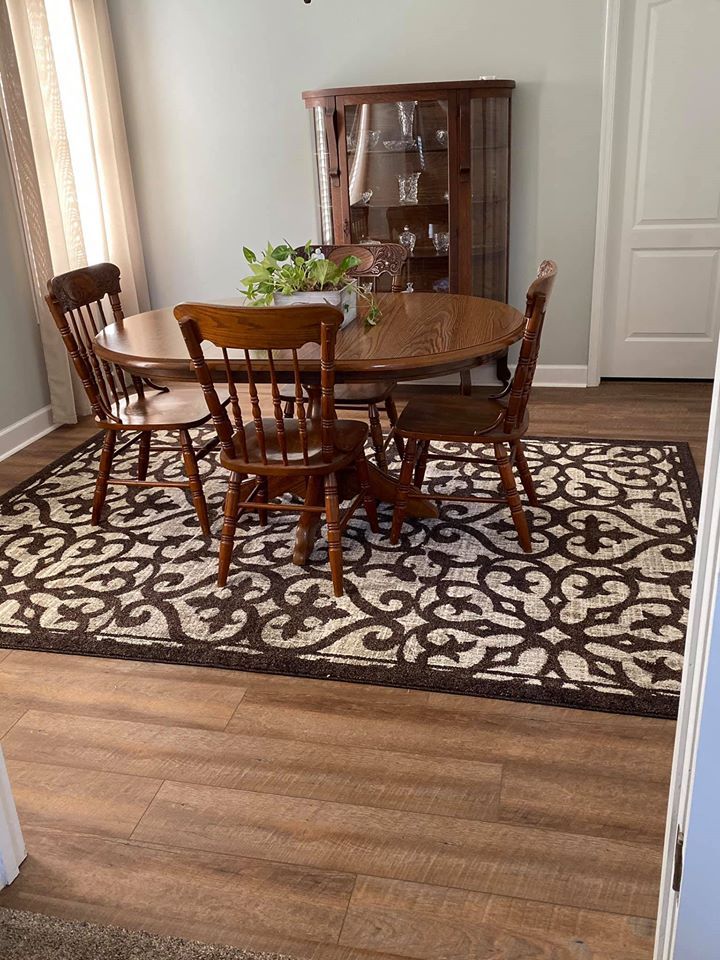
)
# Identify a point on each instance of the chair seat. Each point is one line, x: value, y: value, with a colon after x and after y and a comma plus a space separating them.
x: 361, y: 394
x: 456, y: 419
x: 354, y: 394
x: 350, y: 437
x: 180, y: 407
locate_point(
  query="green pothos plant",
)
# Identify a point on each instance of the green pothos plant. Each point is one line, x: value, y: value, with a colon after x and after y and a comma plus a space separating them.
x: 281, y: 269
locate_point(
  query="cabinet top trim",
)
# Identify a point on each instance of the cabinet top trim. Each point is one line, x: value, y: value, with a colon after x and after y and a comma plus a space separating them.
x: 401, y: 88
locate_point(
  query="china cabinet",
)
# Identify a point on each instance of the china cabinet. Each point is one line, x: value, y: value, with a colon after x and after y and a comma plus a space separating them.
x: 425, y: 165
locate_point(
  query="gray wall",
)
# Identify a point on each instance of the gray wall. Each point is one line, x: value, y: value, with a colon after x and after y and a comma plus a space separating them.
x: 23, y: 383
x: 220, y: 141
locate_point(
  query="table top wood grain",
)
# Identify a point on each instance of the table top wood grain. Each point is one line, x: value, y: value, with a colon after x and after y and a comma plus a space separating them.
x: 419, y: 335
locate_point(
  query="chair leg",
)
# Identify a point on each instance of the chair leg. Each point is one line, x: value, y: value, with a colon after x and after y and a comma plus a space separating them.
x: 512, y: 496
x: 421, y: 465
x: 392, y: 416
x: 289, y: 411
x: 144, y: 455
x: 262, y: 497
x: 465, y: 383
x: 368, y: 499
x: 332, y: 513
x: 101, y: 484
x: 227, y: 537
x: 401, y: 500
x: 376, y: 435
x: 525, y: 475
x: 193, y: 475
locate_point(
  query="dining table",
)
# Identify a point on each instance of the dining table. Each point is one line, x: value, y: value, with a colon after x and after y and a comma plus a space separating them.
x: 419, y: 336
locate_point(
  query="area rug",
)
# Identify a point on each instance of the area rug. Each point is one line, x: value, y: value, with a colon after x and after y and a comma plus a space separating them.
x: 31, y: 936
x: 593, y: 618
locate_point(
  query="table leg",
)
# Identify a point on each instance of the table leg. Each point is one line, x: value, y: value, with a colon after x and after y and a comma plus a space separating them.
x: 309, y: 524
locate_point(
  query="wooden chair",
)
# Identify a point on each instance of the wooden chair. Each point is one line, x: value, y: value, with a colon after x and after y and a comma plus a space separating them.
x: 376, y: 260
x: 76, y: 301
x: 279, y: 449
x: 499, y: 421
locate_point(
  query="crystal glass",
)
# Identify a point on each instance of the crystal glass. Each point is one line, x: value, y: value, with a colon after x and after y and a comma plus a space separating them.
x: 408, y: 187
x: 441, y: 241
x: 366, y: 197
x: 442, y: 137
x: 373, y: 138
x: 406, y: 115
x: 408, y: 239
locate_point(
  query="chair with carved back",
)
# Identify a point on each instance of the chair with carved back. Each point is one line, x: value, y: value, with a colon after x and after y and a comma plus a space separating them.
x: 82, y: 302
x: 278, y: 451
x: 376, y: 260
x: 500, y: 421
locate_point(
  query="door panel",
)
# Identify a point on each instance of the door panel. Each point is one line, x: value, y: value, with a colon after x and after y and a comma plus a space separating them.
x: 665, y: 315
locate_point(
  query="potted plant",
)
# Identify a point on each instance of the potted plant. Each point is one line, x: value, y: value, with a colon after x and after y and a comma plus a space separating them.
x: 283, y: 276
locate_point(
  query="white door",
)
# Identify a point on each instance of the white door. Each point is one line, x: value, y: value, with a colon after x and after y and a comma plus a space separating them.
x: 663, y: 294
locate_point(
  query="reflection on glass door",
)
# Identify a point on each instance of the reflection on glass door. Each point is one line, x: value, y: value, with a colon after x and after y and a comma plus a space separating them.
x: 489, y: 169
x: 398, y: 183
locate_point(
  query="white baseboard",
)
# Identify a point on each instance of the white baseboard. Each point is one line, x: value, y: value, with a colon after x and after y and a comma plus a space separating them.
x: 546, y: 375
x: 25, y: 431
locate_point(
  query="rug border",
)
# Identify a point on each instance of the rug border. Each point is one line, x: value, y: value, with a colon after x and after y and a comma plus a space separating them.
x: 658, y: 706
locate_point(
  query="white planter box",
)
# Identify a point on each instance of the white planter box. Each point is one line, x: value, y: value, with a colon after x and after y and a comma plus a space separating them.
x: 345, y: 300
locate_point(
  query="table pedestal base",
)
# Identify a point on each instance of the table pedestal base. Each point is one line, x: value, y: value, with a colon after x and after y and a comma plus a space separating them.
x: 382, y: 485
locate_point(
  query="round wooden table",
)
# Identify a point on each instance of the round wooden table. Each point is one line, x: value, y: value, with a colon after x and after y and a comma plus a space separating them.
x: 419, y: 335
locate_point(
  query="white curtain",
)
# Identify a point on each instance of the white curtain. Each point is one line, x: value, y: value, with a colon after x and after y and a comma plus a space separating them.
x: 65, y: 132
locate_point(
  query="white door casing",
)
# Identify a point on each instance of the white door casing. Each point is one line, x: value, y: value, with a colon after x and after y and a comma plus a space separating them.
x: 661, y: 315
x: 12, y: 847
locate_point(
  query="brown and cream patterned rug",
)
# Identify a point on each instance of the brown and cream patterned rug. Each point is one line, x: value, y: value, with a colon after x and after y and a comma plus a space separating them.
x: 594, y: 617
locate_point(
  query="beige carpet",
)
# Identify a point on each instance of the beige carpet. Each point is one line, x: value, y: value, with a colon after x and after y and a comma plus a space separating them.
x: 31, y: 936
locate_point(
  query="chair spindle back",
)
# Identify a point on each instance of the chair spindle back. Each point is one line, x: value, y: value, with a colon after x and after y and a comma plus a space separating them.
x: 268, y: 339
x: 75, y: 300
x: 375, y: 259
x: 538, y: 296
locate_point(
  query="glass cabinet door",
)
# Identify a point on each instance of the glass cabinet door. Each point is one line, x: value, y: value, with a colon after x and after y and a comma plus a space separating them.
x: 489, y: 182
x: 397, y: 176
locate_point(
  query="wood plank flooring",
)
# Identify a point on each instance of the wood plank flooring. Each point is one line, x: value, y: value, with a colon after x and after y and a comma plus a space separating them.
x: 335, y: 821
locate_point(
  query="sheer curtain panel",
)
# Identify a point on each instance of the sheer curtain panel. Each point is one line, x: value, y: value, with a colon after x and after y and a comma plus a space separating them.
x: 65, y: 133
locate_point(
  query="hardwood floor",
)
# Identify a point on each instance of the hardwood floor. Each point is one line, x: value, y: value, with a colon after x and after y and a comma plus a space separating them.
x: 334, y: 821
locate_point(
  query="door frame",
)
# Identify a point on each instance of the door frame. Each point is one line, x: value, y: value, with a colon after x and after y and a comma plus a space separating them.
x: 598, y: 307
x: 12, y: 846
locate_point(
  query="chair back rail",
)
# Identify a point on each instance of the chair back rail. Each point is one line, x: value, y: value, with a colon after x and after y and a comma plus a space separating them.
x: 375, y: 259
x: 538, y: 296
x: 264, y: 330
x: 75, y: 300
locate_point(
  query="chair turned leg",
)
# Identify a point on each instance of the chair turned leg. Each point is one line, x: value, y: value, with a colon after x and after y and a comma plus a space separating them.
x: 193, y: 475
x: 401, y: 501
x: 143, y: 455
x: 368, y: 499
x: 512, y: 496
x: 262, y: 497
x: 376, y: 435
x: 421, y: 464
x: 101, y: 484
x: 227, y: 537
x: 525, y: 475
x: 392, y: 416
x: 332, y: 513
